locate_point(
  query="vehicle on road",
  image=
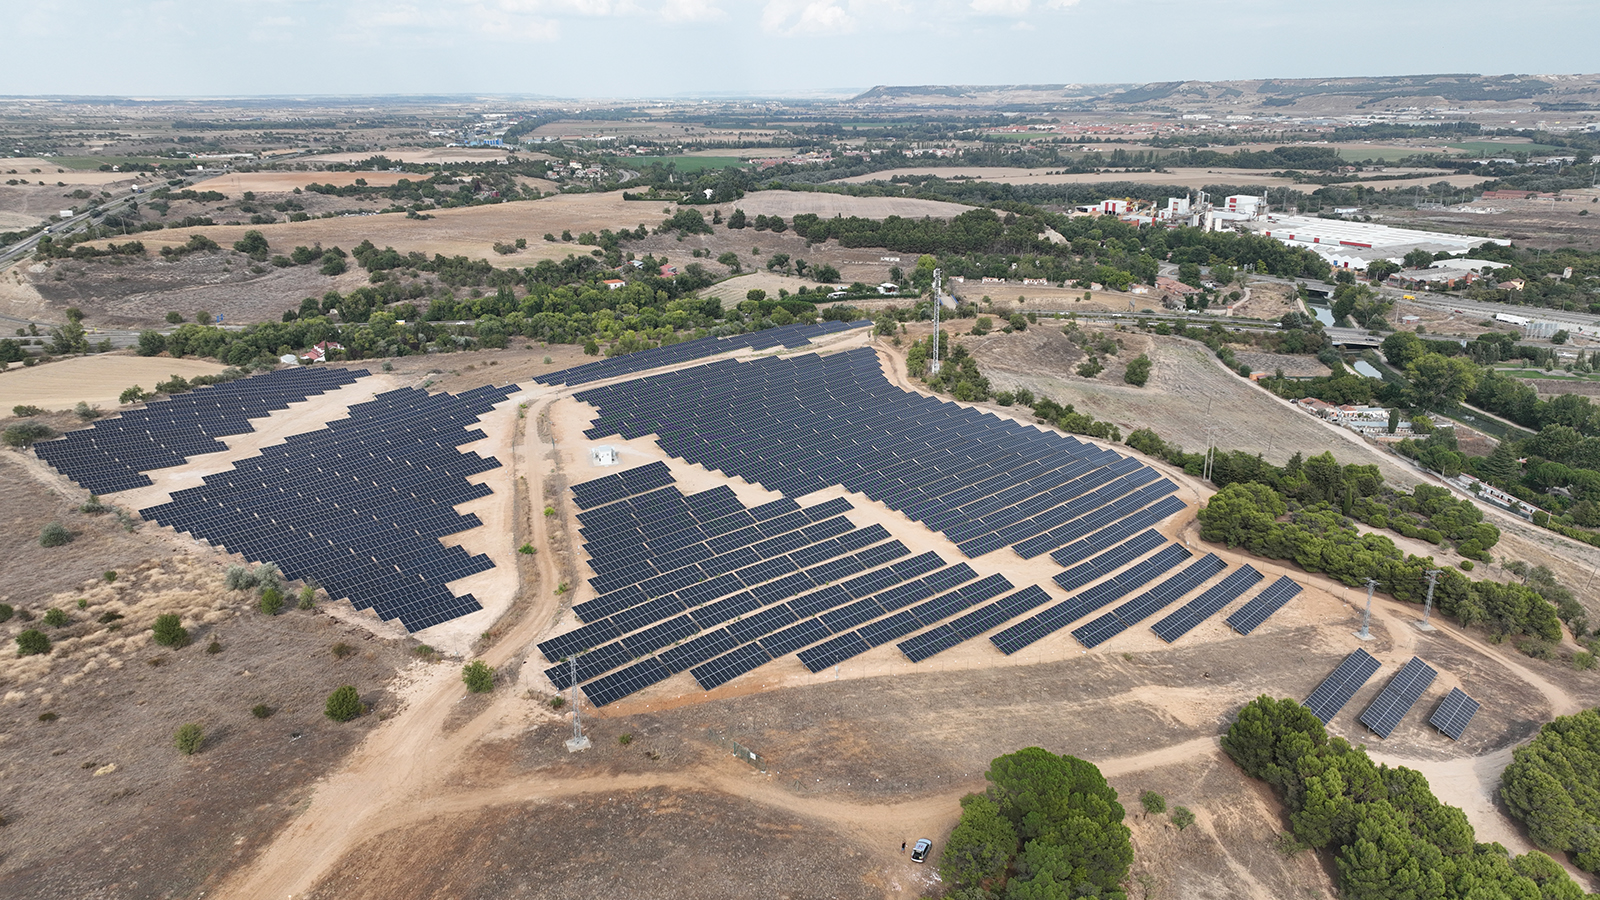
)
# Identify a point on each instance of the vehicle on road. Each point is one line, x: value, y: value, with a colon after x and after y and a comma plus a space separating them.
x: 919, y: 853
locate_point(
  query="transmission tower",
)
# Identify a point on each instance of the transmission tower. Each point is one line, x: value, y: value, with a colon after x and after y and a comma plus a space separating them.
x: 1427, y: 609
x: 938, y: 285
x: 1365, y: 633
x: 577, y: 741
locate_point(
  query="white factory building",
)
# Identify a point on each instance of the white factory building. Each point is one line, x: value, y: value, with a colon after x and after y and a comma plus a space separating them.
x: 1352, y: 245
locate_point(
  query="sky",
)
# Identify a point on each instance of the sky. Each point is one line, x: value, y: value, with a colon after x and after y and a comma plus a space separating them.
x: 670, y: 48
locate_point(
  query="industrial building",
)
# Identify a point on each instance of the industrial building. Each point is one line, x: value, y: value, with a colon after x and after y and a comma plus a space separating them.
x: 1354, y: 245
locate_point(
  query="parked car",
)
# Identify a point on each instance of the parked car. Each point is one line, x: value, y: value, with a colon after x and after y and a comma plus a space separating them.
x: 919, y: 853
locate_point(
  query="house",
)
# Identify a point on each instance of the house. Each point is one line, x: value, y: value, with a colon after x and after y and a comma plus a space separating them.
x: 613, y: 283
x: 1515, y: 284
x: 888, y: 287
x: 668, y: 271
x: 320, y: 352
x: 1314, y: 406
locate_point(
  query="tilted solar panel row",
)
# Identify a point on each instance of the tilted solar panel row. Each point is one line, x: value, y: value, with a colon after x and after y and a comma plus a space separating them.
x: 356, y: 522
x: 1249, y: 617
x: 1207, y: 604
x: 974, y: 623
x: 1336, y: 690
x: 671, y: 354
x: 1398, y: 696
x: 1454, y: 714
x: 1150, y: 602
x: 1053, y: 619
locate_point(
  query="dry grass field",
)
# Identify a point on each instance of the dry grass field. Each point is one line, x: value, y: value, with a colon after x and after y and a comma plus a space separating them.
x: 236, y: 183
x: 97, y: 380
x: 1187, y: 178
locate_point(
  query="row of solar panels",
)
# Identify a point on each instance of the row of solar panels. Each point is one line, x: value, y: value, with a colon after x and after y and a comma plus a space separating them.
x: 114, y: 453
x: 789, y: 336
x: 365, y: 531
x: 1396, y: 699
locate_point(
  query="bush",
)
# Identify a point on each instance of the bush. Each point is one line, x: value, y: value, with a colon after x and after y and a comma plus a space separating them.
x: 54, y: 535
x: 1153, y: 802
x: 188, y: 739
x: 169, y: 631
x: 1138, y: 371
x: 32, y: 643
x: 214, y: 647
x: 1583, y: 660
x: 1182, y: 817
x: 342, y: 650
x: 625, y: 739
x: 23, y: 410
x: 557, y: 702
x: 308, y: 597
x: 240, y: 578
x: 478, y: 676
x: 261, y: 711
x: 25, y: 434
x: 344, y: 704
x: 526, y: 549
x: 268, y: 576
x: 6, y: 612
x: 1467, y: 565
x: 55, y: 618
x: 271, y: 602
x: 86, y: 412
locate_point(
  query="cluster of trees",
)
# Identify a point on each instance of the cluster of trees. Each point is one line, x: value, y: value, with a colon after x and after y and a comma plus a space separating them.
x: 1389, y: 835
x: 1318, y: 538
x: 1048, y: 827
x: 1553, y: 787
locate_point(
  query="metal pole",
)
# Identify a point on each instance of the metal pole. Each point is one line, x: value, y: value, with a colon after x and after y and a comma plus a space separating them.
x: 1427, y: 608
x: 578, y: 741
x: 1365, y: 633
x: 938, y: 278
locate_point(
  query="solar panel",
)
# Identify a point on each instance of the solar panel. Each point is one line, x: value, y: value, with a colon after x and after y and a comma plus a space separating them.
x: 1207, y: 604
x: 1337, y: 689
x: 1454, y: 714
x: 623, y: 682
x: 1248, y: 617
x: 1398, y: 696
x: 730, y: 665
x: 833, y: 652
x: 1053, y: 619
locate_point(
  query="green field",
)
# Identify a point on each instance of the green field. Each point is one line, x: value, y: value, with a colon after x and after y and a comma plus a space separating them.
x: 688, y: 163
x: 1384, y: 154
x: 1495, y: 148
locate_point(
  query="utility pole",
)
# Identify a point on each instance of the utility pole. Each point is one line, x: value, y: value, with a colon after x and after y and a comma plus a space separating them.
x: 1365, y: 633
x: 1427, y: 608
x: 577, y: 741
x: 938, y: 284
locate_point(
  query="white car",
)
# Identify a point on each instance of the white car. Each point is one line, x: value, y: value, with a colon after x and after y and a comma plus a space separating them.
x: 919, y: 852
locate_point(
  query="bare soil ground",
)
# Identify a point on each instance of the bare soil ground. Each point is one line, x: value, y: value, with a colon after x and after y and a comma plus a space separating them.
x: 1542, y: 224
x: 98, y: 380
x: 1268, y: 301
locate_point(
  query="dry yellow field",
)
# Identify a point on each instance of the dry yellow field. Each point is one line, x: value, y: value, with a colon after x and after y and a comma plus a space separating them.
x: 429, y: 155
x: 238, y: 182
x: 52, y: 172
x: 97, y: 380
x: 473, y: 231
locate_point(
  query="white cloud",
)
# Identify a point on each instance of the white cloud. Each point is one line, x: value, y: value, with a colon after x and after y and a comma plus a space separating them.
x: 1001, y: 7
x: 691, y: 11
x: 806, y: 17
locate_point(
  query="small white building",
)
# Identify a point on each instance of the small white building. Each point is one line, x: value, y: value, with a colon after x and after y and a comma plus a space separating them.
x: 603, y: 455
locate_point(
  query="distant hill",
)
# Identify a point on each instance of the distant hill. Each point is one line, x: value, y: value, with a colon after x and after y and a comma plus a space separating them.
x: 1294, y: 95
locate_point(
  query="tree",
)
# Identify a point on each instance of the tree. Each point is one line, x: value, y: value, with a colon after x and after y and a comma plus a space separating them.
x: 1066, y: 815
x: 1018, y: 322
x: 737, y: 219
x: 344, y: 704
x: 151, y: 343
x: 174, y: 317
x: 1418, y: 259
x: 1138, y: 371
x: 478, y: 676
x: 825, y: 274
x: 26, y: 433
x: 981, y: 846
x: 32, y: 642
x: 1153, y: 803
x: 1437, y: 379
x: 1182, y: 817
x: 731, y: 260
x: 1379, y: 269
x: 133, y: 394
x: 253, y: 244
x: 169, y: 631
x: 54, y: 535
x: 271, y: 602
x: 189, y: 738
x: 1560, y: 337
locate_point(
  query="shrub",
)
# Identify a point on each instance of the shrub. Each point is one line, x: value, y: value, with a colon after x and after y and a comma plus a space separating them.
x: 109, y: 576
x: 55, y: 618
x: 261, y: 711
x: 1138, y: 371
x: 1583, y: 660
x: 271, y: 602
x: 6, y: 612
x: 22, y: 411
x: 342, y: 650
x: 625, y: 739
x: 54, y: 535
x: 86, y: 412
x: 268, y: 576
x: 526, y: 549
x: 107, y: 617
x: 1467, y: 565
x: 549, y: 510
x: 83, y: 603
x: 1182, y: 817
x: 557, y: 701
x: 169, y: 631
x: 344, y: 704
x: 240, y: 578
x: 32, y: 643
x: 48, y: 717
x: 478, y: 676
x: 25, y: 434
x: 1153, y: 802
x: 214, y: 647
x: 308, y: 597
x: 189, y: 738
x: 422, y: 650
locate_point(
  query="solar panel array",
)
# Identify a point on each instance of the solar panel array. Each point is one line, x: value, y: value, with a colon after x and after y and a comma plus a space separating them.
x: 800, y: 424
x: 114, y: 454
x: 1053, y: 619
x: 1454, y: 714
x: 1207, y: 604
x: 1249, y: 617
x: 1337, y: 689
x: 359, y: 506
x: 1149, y: 603
x: 1398, y: 696
x: 789, y: 336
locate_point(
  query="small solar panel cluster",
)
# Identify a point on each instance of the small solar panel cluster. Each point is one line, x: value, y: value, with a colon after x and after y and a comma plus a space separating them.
x: 114, y: 454
x: 789, y: 336
x: 1249, y: 617
x: 797, y: 425
x: 1454, y: 714
x: 1396, y: 699
x: 359, y: 506
x: 1337, y: 689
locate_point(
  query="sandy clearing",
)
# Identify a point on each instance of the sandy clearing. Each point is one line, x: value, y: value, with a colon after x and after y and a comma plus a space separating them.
x: 237, y: 183
x: 99, y: 379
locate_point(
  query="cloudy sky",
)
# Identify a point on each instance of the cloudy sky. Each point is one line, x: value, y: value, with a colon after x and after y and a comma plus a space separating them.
x: 655, y: 48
